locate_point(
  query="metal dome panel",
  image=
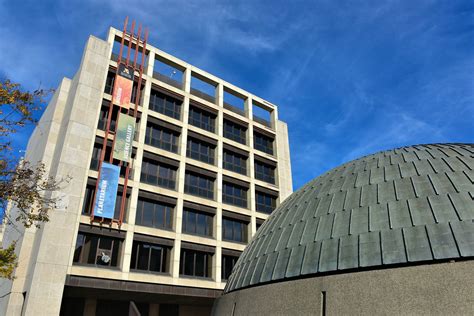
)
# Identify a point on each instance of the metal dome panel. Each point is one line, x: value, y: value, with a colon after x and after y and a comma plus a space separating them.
x: 401, y: 206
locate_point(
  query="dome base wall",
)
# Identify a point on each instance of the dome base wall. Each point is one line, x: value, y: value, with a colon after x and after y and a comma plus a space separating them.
x: 435, y: 289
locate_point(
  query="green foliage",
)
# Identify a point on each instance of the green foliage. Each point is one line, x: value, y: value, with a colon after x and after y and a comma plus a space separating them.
x: 8, y: 261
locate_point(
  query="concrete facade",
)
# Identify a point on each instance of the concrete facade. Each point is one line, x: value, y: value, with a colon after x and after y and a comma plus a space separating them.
x: 436, y: 289
x: 64, y: 141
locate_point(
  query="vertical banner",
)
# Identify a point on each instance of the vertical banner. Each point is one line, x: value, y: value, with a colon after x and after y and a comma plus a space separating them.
x: 106, y: 194
x: 124, y: 137
x: 122, y: 94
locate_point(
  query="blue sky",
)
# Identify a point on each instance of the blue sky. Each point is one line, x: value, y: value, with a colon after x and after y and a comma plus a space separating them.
x: 349, y: 77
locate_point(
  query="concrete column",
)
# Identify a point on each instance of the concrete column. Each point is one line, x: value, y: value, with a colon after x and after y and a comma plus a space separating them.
x: 178, y: 218
x: 285, y: 181
x: 217, y: 262
x: 56, y: 240
x: 251, y: 166
x: 187, y: 80
x: 148, y: 70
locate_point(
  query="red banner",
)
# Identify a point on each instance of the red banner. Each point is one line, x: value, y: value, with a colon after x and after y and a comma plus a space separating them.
x: 122, y: 94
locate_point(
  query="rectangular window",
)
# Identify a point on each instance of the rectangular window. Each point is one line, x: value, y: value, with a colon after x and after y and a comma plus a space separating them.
x: 235, y: 132
x: 265, y: 203
x: 235, y: 162
x: 234, y: 194
x: 202, y: 119
x: 103, y: 117
x: 97, y: 250
x: 165, y: 104
x: 161, y: 137
x: 195, y: 263
x: 109, y: 82
x: 154, y: 214
x: 159, y: 174
x: 199, y: 185
x: 201, y: 151
x: 150, y: 257
x: 263, y: 143
x: 264, y: 172
x: 228, y: 263
x: 197, y: 223
x: 234, y: 230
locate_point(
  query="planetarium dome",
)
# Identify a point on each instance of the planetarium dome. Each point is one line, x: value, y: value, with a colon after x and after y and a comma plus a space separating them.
x: 378, y: 230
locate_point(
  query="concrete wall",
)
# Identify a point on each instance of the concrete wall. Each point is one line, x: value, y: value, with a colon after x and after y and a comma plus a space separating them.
x: 63, y: 140
x: 436, y: 289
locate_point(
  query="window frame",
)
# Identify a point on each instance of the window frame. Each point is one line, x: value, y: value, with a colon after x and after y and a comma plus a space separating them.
x: 207, y: 264
x: 233, y: 199
x: 196, y: 189
x: 164, y: 257
x: 166, y: 209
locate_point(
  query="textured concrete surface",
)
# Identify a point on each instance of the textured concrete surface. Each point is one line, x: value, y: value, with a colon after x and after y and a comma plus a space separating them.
x: 435, y: 289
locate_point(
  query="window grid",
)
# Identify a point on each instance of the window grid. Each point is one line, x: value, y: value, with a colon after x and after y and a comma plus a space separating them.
x: 97, y: 250
x: 235, y: 132
x: 264, y: 172
x: 165, y: 104
x: 228, y: 263
x: 154, y: 214
x: 157, y: 174
x: 263, y: 143
x: 234, y: 230
x: 195, y: 263
x: 199, y: 185
x: 265, y: 203
x: 202, y: 119
x: 149, y: 257
x: 200, y: 151
x: 234, y: 194
x: 197, y: 223
x: 160, y: 137
x: 235, y: 162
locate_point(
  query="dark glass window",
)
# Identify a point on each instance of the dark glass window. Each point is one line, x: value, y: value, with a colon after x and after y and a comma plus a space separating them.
x: 234, y: 230
x: 202, y: 119
x: 96, y: 153
x: 266, y: 203
x: 199, y: 185
x: 109, y: 83
x: 161, y: 137
x: 158, y: 174
x: 103, y: 116
x: 263, y: 143
x: 235, y: 132
x: 228, y: 263
x: 96, y: 249
x: 200, y: 151
x: 195, y: 263
x: 264, y: 172
x: 235, y: 162
x: 165, y: 104
x: 150, y: 257
x: 198, y: 223
x: 89, y: 202
x: 234, y: 194
x: 259, y: 225
x: 153, y: 214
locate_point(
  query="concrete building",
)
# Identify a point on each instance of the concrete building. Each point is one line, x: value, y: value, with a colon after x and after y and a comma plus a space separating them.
x: 210, y: 162
x: 387, y: 234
